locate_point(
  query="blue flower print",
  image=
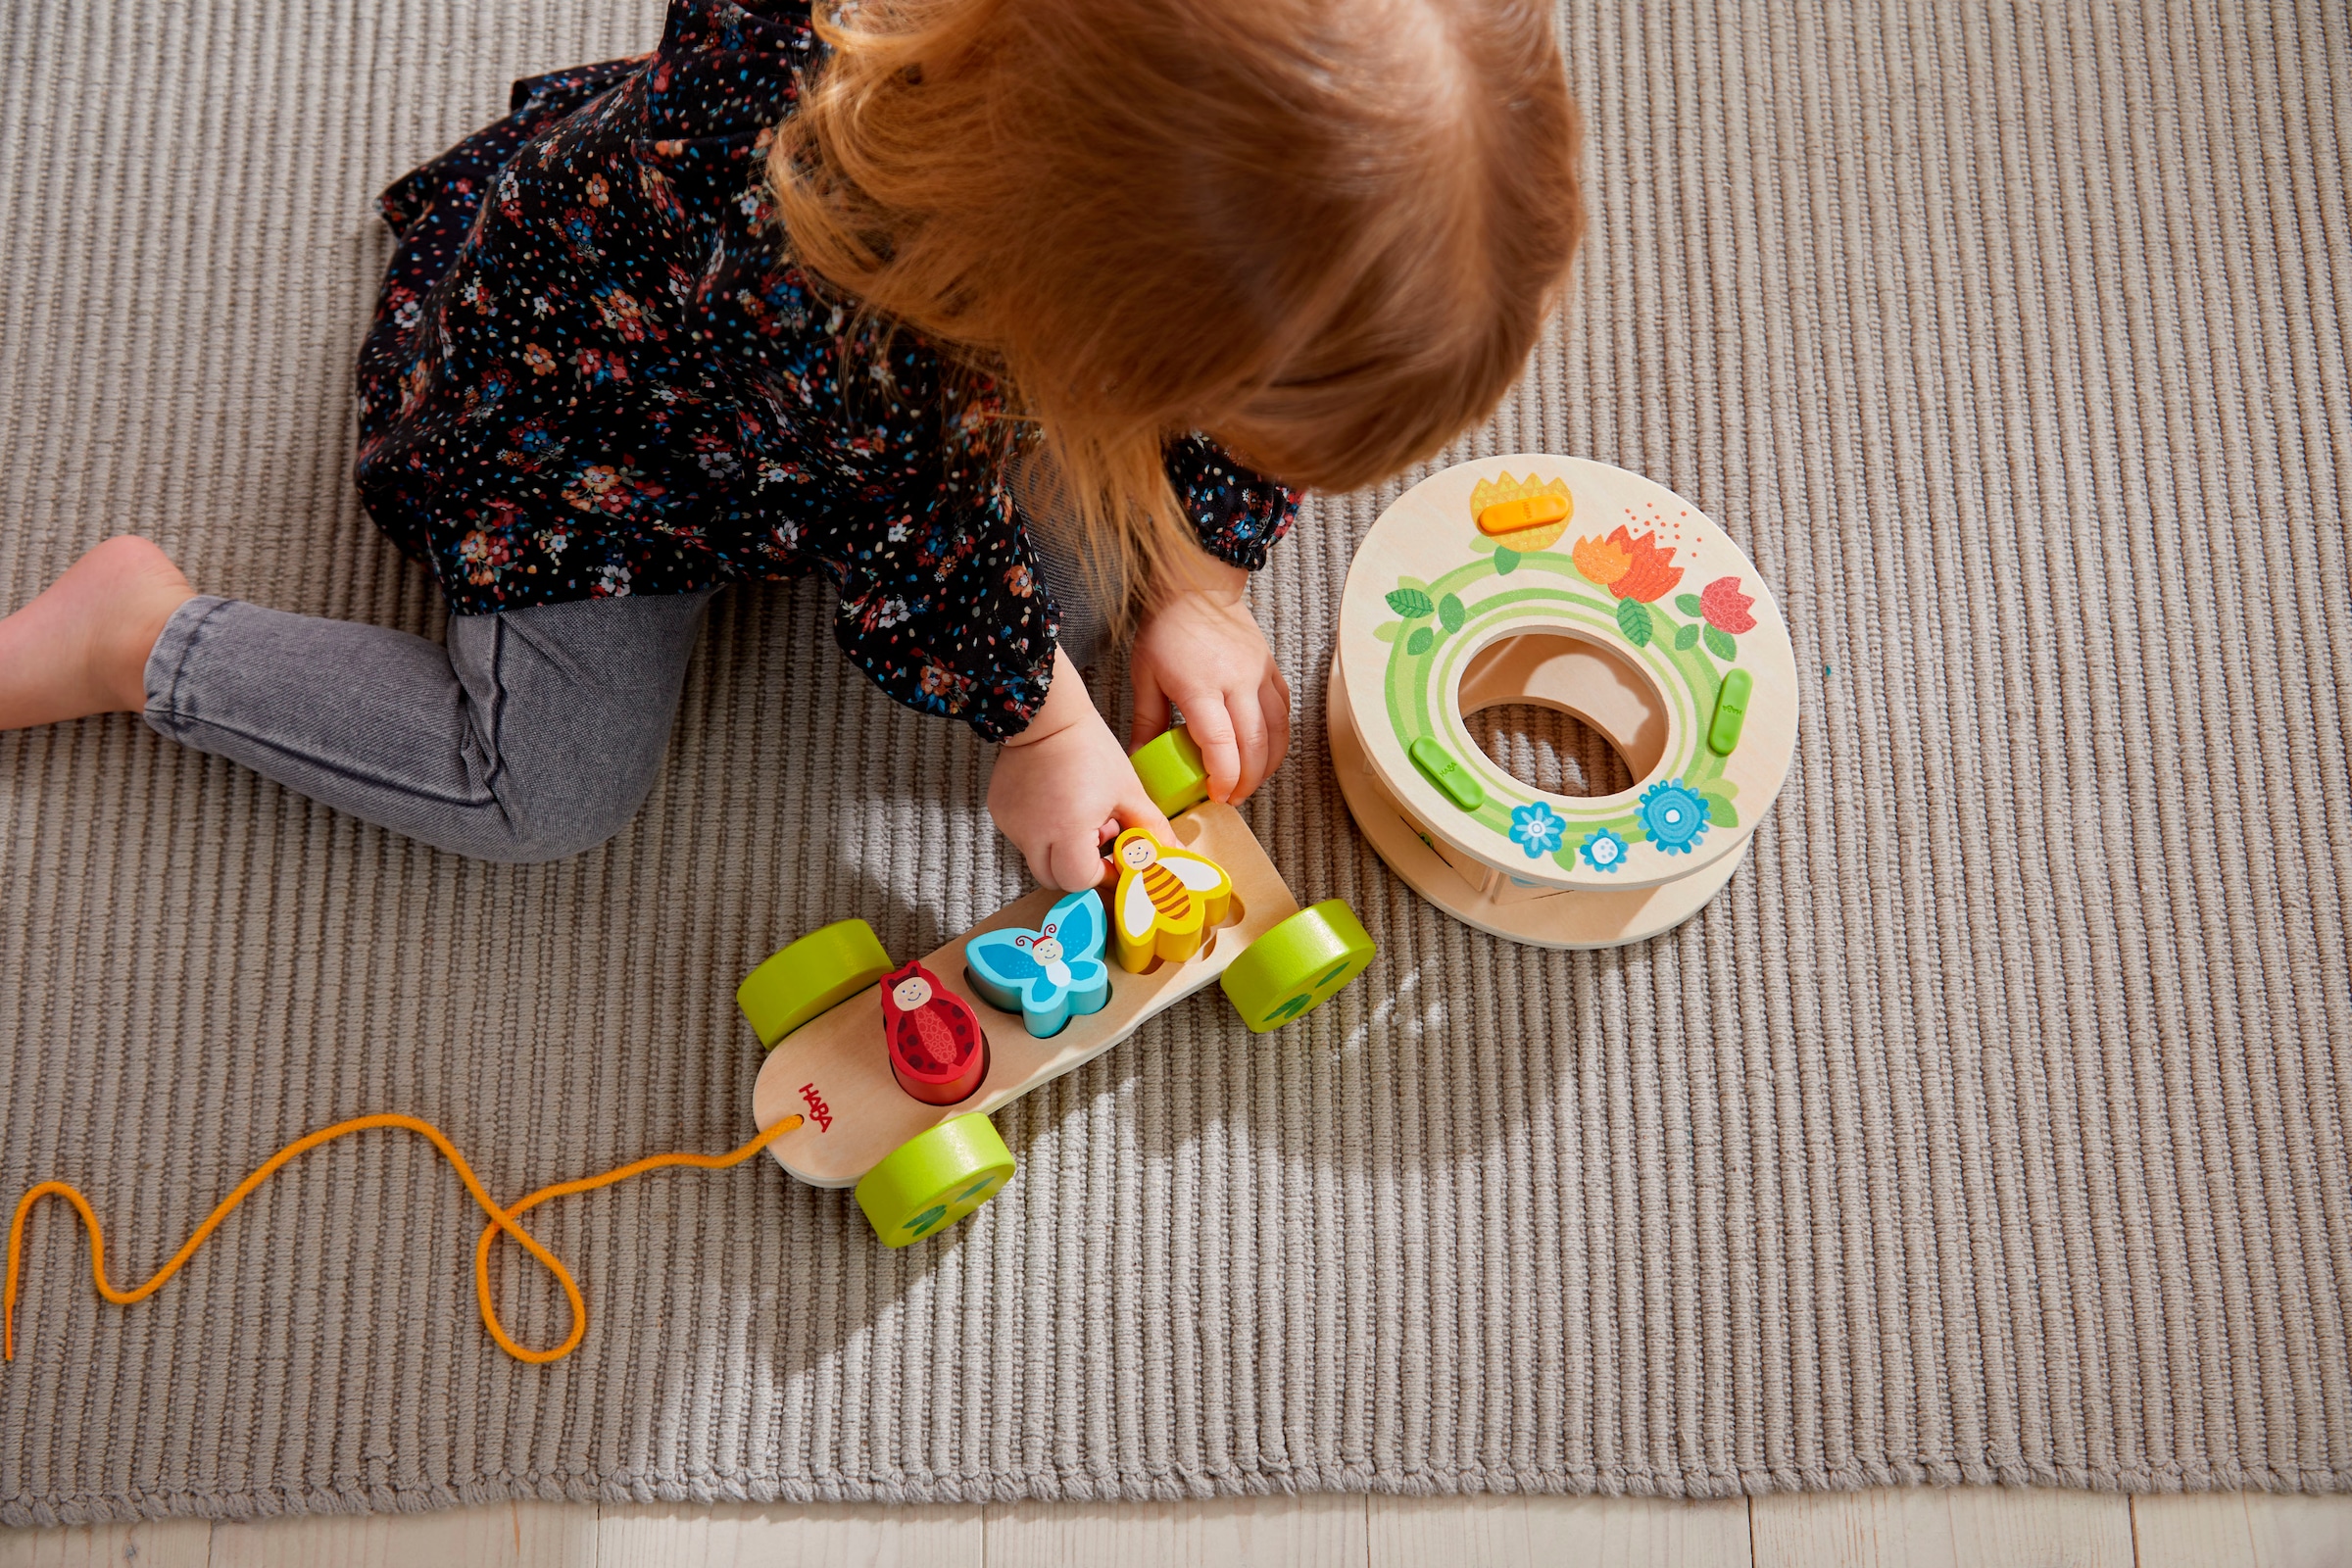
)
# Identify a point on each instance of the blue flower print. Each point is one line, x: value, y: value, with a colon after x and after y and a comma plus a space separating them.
x: 1537, y: 828
x: 1602, y: 851
x: 1674, y: 815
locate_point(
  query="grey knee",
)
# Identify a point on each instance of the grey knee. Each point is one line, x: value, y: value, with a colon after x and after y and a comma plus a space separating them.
x: 573, y: 704
x: 534, y: 826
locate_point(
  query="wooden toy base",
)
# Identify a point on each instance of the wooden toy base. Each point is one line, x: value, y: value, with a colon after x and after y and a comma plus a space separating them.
x: 835, y: 1071
x: 1543, y: 919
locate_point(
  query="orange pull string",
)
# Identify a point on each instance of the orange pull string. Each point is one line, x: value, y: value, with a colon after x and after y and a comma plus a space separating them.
x: 501, y: 1219
x: 587, y: 1184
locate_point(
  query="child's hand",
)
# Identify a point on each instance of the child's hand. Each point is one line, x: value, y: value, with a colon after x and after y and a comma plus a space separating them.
x: 1062, y: 788
x: 1202, y: 651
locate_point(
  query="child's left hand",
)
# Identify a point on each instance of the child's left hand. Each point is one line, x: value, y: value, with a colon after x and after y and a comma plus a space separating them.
x: 1202, y: 650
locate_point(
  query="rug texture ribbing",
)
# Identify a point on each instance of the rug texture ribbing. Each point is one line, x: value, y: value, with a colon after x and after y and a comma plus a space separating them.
x: 1991, y: 1126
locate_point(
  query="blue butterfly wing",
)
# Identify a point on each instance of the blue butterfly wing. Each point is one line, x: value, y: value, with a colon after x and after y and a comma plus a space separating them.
x: 1006, y: 962
x: 1005, y: 974
x: 1082, y: 928
x: 1090, y: 985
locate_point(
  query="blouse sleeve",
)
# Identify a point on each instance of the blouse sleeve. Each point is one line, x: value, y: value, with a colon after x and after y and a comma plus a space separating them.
x: 724, y: 67
x: 946, y: 614
x: 941, y: 603
x: 1237, y: 513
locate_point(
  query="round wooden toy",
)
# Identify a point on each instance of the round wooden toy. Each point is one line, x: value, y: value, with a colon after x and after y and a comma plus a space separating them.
x: 1571, y: 585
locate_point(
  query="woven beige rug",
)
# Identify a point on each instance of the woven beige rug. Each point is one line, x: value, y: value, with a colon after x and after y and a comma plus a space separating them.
x: 1990, y: 1127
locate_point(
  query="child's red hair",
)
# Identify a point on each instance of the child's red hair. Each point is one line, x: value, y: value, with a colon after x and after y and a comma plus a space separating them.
x: 1323, y: 232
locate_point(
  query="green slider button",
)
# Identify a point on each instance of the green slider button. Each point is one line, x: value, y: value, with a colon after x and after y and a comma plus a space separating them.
x: 1731, y: 713
x: 1461, y: 787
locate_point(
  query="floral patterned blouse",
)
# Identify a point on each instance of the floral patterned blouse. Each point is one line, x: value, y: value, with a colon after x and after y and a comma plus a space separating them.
x: 593, y: 371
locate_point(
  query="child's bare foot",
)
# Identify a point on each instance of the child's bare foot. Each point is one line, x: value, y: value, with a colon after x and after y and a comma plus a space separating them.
x: 81, y: 646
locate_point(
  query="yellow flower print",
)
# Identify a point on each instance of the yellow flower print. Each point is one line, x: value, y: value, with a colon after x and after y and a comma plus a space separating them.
x: 1496, y: 494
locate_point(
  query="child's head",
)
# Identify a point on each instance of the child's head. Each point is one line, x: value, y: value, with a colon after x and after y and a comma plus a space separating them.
x: 1323, y: 232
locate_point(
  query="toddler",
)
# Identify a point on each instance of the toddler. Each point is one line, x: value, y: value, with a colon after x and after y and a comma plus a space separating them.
x: 1023, y: 322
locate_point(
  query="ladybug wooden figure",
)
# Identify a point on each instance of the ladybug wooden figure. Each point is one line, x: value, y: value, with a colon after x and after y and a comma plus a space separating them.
x: 936, y: 1050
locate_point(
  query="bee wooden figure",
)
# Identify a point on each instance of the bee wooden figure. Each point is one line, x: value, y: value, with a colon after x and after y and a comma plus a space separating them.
x: 1166, y: 900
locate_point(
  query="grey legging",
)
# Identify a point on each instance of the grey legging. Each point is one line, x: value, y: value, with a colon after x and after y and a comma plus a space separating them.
x: 531, y: 736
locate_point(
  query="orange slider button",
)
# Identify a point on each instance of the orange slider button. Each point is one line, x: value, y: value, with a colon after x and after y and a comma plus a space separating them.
x: 1528, y: 512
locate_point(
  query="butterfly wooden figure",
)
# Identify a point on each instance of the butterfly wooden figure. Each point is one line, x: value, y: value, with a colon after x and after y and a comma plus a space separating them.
x: 936, y: 1050
x: 1046, y: 975
x: 1166, y: 901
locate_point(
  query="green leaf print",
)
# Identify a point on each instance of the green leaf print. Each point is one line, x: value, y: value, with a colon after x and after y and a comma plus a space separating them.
x: 1450, y: 612
x: 1689, y: 605
x: 1388, y: 631
x: 1506, y: 561
x: 1410, y: 603
x: 1720, y: 644
x: 1419, y: 642
x: 1719, y: 809
x: 1633, y: 619
x: 1686, y: 638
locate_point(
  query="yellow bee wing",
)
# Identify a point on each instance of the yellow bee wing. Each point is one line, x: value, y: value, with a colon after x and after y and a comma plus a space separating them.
x: 1137, y: 912
x: 1196, y: 871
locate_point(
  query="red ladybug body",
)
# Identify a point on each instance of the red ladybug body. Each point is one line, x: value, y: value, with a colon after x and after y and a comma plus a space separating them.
x: 936, y: 1050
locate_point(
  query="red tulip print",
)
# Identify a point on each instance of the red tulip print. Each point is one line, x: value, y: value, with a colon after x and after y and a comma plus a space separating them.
x: 1653, y: 574
x: 1726, y: 607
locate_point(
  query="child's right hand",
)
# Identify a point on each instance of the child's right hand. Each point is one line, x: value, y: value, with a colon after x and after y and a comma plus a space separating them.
x: 1063, y: 788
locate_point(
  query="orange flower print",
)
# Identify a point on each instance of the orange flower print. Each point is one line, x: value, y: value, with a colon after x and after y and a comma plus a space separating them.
x: 596, y: 489
x: 624, y: 314
x: 657, y: 191
x: 1019, y: 582
x: 599, y: 193
x: 414, y: 384
x: 944, y: 691
x: 485, y: 556
x: 610, y: 487
x: 538, y: 358
x: 1650, y: 572
x: 1726, y: 607
x: 1601, y: 560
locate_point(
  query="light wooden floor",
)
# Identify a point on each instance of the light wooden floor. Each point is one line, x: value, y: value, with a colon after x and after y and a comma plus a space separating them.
x: 1912, y: 1528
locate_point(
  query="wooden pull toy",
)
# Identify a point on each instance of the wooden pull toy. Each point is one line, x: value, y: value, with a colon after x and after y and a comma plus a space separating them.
x: 1041, y: 998
x: 915, y: 1139
x: 937, y: 1052
x: 1578, y: 587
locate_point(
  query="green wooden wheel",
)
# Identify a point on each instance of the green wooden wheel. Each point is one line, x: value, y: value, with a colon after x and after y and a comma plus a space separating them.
x: 1172, y: 773
x: 1299, y: 965
x: 934, y: 1179
x: 821, y: 972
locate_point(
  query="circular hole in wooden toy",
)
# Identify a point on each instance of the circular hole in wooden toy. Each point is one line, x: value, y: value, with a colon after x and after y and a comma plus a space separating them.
x: 1594, y: 691
x: 1555, y: 752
